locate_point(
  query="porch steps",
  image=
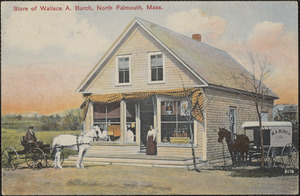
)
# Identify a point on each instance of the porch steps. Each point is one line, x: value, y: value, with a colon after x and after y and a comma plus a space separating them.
x: 129, y: 154
x: 142, y: 148
x: 136, y: 160
x: 129, y: 149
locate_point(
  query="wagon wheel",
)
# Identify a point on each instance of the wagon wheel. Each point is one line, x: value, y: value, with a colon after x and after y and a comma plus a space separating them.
x: 290, y: 156
x: 34, y: 158
x: 50, y: 157
x: 10, y: 159
x: 272, y: 157
x: 238, y: 159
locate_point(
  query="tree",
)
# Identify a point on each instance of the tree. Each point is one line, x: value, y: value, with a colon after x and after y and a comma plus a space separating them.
x: 72, y: 120
x: 188, y: 115
x: 252, y: 86
x: 190, y: 108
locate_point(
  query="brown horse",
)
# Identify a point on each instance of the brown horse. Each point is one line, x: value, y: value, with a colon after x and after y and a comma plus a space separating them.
x: 241, y: 144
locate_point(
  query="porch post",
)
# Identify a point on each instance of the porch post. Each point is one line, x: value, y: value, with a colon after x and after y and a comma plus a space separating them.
x: 204, y: 126
x: 158, y: 116
x: 123, y: 120
x: 92, y: 114
x: 89, y: 119
x: 138, y: 124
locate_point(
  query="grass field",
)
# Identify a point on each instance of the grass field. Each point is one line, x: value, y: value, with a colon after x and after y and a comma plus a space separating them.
x: 11, y: 138
x: 20, y: 125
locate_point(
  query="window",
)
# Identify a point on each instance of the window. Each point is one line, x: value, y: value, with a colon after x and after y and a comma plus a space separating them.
x: 232, y: 122
x: 107, y: 117
x: 175, y: 128
x: 156, y: 72
x: 123, y: 76
x: 130, y: 122
x: 264, y: 116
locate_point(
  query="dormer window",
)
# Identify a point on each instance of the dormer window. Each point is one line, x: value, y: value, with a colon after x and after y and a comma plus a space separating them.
x: 123, y: 67
x: 156, y: 68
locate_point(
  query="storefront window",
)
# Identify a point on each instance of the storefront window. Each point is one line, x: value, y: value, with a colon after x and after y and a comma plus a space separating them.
x: 107, y: 117
x: 130, y: 122
x: 175, y: 122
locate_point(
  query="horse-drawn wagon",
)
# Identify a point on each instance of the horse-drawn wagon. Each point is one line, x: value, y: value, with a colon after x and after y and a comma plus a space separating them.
x: 277, y: 143
x: 46, y: 156
x: 35, y: 158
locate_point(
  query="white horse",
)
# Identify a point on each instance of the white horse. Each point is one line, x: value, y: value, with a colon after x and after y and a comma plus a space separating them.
x: 103, y: 134
x: 73, y: 142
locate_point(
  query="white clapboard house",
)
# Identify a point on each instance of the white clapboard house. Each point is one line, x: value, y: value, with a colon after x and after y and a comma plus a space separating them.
x: 154, y: 76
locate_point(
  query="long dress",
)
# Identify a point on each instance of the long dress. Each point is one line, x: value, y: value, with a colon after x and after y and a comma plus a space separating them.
x: 151, y: 146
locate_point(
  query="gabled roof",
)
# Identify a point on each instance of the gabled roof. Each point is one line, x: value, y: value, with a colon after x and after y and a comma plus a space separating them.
x: 210, y: 65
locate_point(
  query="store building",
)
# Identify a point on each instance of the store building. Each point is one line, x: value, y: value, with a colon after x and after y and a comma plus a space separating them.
x: 154, y: 76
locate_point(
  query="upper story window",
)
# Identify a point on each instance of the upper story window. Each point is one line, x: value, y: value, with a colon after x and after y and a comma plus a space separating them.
x: 156, y: 66
x: 123, y: 67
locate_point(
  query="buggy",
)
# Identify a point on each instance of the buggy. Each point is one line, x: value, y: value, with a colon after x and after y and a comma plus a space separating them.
x: 35, y: 158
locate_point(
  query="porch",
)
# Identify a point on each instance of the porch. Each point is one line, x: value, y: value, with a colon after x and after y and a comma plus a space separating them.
x: 141, y: 160
x: 111, y: 153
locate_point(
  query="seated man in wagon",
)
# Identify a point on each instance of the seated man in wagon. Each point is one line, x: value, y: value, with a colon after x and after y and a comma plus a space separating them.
x: 31, y: 139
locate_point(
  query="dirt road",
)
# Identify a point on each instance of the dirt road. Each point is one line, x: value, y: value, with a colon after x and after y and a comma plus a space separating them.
x: 126, y: 180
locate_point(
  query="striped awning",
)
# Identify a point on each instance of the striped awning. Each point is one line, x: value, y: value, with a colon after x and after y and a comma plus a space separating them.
x: 194, y: 94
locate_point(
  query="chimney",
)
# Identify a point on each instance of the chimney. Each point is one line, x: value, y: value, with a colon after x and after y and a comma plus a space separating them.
x: 197, y: 37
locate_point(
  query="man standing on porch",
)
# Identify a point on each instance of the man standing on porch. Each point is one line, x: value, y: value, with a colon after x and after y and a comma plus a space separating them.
x: 151, y: 141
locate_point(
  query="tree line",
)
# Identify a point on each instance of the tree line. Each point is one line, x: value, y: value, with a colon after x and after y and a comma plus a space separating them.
x: 70, y: 120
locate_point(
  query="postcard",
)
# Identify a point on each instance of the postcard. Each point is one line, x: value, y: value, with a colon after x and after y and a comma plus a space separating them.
x: 149, y: 97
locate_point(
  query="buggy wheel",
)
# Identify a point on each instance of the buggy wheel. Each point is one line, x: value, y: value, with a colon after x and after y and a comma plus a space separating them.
x: 272, y: 157
x: 50, y: 157
x: 34, y: 158
x: 9, y: 159
x: 290, y: 156
x: 238, y: 159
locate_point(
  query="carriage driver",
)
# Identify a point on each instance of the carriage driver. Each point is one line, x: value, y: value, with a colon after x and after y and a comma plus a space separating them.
x: 31, y: 139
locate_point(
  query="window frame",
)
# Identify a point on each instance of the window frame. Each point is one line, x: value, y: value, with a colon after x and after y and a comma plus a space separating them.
x: 232, y: 121
x: 160, y: 122
x: 105, y: 122
x: 117, y: 70
x: 149, y: 68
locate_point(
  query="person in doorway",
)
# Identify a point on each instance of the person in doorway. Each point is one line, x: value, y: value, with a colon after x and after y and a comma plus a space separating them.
x: 31, y: 139
x: 129, y: 134
x: 151, y: 141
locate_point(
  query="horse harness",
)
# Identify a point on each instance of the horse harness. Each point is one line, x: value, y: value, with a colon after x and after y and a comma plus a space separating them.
x: 232, y: 142
x: 77, y: 142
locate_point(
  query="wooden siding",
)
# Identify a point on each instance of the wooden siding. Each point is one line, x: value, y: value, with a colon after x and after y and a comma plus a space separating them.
x: 138, y: 45
x: 217, y: 115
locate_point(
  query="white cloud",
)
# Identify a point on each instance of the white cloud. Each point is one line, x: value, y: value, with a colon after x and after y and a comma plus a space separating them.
x: 35, y: 31
x: 281, y: 48
x: 266, y: 38
x: 196, y: 21
x: 271, y: 39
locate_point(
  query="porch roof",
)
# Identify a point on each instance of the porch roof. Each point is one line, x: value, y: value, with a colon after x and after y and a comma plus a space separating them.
x: 195, y: 93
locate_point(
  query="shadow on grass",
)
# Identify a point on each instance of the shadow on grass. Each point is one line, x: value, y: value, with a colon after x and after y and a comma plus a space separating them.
x: 264, y: 172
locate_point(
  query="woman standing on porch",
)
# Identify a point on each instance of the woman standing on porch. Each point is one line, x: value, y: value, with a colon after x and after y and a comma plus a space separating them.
x: 151, y: 141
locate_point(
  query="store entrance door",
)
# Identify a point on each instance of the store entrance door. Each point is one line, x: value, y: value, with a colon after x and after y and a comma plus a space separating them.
x: 146, y: 117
